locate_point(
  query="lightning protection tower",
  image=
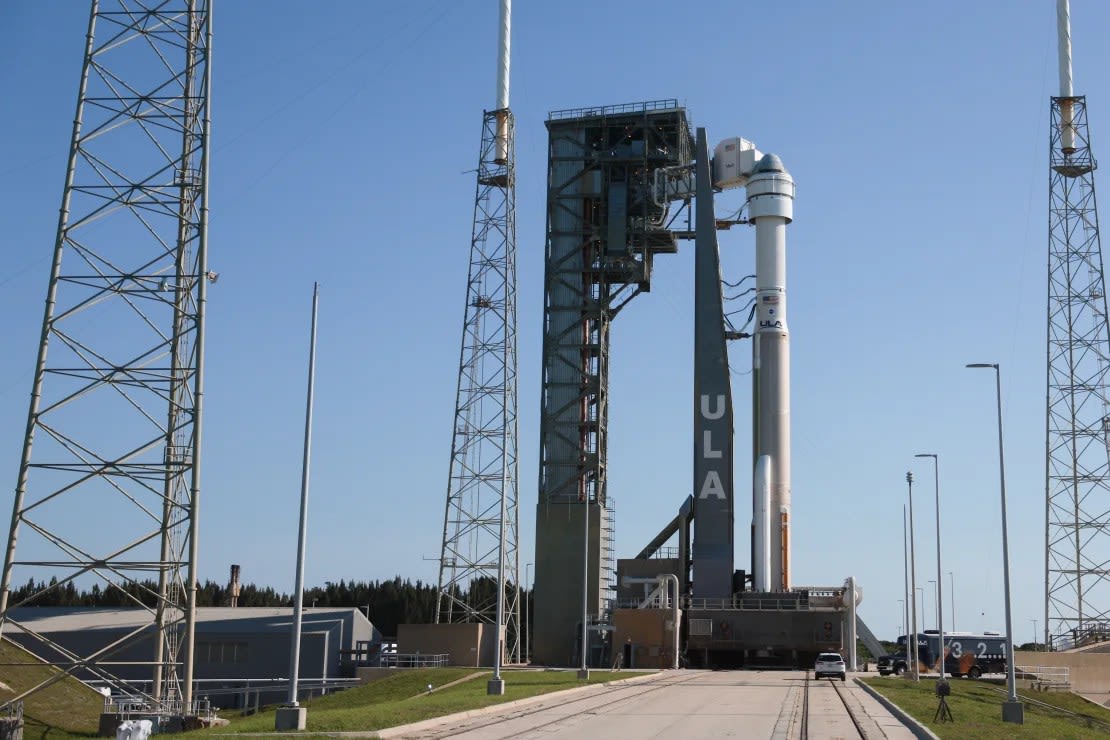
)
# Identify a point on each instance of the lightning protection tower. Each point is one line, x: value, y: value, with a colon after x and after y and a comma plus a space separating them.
x: 480, y: 522
x: 1077, y: 507
x: 108, y: 494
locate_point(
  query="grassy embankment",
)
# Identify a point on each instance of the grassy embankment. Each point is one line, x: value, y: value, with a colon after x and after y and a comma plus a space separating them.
x: 977, y: 711
x: 403, y: 698
x: 66, y: 709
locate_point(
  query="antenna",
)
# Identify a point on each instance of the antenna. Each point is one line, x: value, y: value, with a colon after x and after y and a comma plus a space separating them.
x: 1063, y: 33
x: 502, y: 112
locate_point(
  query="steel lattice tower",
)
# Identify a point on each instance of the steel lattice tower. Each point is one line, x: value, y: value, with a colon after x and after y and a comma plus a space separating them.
x: 1077, y: 512
x: 109, y: 492
x: 482, y: 491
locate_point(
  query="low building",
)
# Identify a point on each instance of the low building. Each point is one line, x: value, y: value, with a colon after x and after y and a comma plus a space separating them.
x: 457, y: 644
x: 242, y: 653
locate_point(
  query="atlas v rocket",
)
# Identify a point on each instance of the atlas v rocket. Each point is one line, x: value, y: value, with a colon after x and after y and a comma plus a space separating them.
x: 770, y: 202
x: 771, y: 208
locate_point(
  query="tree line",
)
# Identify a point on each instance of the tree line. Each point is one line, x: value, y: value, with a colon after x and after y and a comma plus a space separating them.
x: 387, y: 603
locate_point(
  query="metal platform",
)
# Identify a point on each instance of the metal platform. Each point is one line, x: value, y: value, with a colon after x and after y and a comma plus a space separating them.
x: 777, y: 629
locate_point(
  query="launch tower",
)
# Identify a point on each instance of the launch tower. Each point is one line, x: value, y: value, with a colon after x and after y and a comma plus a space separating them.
x: 604, y: 229
x: 613, y: 174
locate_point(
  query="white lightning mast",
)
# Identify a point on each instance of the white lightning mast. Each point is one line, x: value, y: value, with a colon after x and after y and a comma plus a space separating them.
x: 1077, y: 444
x: 479, y: 562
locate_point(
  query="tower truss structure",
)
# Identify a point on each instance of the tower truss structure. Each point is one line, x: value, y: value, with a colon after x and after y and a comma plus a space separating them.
x: 481, y: 516
x: 1077, y: 510
x: 108, y: 493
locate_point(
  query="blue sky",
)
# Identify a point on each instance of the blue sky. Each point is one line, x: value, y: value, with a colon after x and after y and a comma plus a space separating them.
x: 343, y: 144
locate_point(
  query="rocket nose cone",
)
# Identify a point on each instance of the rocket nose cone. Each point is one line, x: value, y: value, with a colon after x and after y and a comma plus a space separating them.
x: 769, y: 163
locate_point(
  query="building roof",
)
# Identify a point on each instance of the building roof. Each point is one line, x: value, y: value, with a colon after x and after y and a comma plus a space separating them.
x: 209, y: 618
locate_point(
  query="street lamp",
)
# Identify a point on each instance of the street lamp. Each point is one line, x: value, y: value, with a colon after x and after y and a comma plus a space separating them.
x: 496, y: 685
x: 291, y: 715
x: 935, y: 595
x: 906, y: 573
x: 921, y: 590
x: 1012, y: 710
x: 952, y: 597
x: 938, y: 583
x: 913, y: 589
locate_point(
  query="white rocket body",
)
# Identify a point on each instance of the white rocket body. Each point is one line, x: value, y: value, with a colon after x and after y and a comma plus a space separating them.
x: 852, y: 597
x: 761, y: 525
x: 770, y: 188
x: 771, y: 208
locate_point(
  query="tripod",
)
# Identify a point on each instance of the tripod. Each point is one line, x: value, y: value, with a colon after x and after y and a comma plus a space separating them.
x: 944, y: 713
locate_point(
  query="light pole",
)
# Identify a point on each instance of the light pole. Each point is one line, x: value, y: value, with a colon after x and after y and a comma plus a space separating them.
x: 952, y: 597
x: 926, y: 612
x: 496, y: 685
x: 1034, y: 635
x: 1012, y: 710
x: 906, y: 572
x: 934, y: 585
x: 291, y: 715
x: 527, y: 598
x: 938, y: 583
x: 921, y: 603
x: 913, y: 589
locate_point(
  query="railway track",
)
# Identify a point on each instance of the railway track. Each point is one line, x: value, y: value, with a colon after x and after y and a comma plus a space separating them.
x: 835, y: 715
x: 811, y: 709
x: 590, y: 703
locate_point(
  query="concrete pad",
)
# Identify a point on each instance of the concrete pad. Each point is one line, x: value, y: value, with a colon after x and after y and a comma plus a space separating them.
x: 290, y: 718
x: 673, y: 704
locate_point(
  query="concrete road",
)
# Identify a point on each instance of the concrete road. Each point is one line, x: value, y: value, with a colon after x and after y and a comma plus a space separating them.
x: 679, y: 704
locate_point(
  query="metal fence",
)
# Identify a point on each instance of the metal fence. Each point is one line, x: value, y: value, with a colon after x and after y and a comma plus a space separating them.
x: 1045, y: 677
x: 610, y: 110
x: 415, y: 660
x: 139, y: 702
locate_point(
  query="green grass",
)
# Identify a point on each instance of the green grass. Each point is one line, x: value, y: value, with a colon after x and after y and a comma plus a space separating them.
x: 403, y: 698
x: 66, y: 709
x: 977, y: 710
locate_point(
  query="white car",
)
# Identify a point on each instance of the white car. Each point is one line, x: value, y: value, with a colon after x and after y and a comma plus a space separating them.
x: 830, y: 664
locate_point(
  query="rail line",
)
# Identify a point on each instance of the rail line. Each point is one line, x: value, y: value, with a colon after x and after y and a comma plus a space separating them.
x: 818, y: 715
x: 588, y: 699
x: 806, y: 725
x: 804, y: 732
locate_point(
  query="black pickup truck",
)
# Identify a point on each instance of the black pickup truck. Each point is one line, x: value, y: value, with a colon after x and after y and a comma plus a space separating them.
x: 895, y: 664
